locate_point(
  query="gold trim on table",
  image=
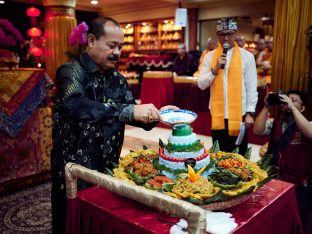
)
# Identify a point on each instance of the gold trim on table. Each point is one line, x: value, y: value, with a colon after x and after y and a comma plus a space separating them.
x: 185, y: 79
x: 133, y: 81
x: 261, y: 82
x: 195, y: 215
x: 157, y: 74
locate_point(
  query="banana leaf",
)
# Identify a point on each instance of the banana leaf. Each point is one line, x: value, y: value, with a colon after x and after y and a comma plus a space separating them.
x: 265, y: 161
x: 265, y: 180
x: 139, y: 180
x: 161, y: 144
x: 109, y: 172
x: 215, y: 147
x: 248, y: 153
x: 218, y: 196
x: 146, y: 185
x: 235, y: 151
x: 226, y: 186
x: 272, y: 171
x: 167, y: 187
x: 195, y: 201
x: 245, y: 192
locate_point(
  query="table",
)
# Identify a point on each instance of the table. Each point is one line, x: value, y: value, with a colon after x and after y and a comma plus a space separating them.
x: 271, y: 209
x: 26, y: 157
x: 21, y: 91
x: 157, y: 88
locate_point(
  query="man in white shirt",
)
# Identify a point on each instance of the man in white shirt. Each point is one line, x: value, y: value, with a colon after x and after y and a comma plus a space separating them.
x: 232, y: 77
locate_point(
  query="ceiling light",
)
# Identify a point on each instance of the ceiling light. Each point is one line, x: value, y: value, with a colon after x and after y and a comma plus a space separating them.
x: 94, y: 2
x: 2, y: 2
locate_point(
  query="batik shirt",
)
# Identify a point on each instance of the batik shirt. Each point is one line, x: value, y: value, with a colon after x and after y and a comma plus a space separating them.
x: 90, y: 114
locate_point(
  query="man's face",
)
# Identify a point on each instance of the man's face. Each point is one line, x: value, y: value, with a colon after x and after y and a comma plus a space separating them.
x: 240, y: 41
x: 182, y: 51
x: 106, y: 50
x: 226, y: 36
x: 261, y: 44
x: 211, y: 45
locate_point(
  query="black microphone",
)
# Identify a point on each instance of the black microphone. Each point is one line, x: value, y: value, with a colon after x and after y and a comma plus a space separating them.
x: 226, y: 46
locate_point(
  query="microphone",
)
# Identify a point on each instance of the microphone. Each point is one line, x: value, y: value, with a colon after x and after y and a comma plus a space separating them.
x: 226, y: 46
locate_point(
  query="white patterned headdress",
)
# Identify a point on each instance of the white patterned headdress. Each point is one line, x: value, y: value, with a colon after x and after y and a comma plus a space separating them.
x: 226, y: 24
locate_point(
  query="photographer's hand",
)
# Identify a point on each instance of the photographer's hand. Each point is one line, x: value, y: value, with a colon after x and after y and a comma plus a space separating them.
x: 259, y: 125
x: 287, y: 100
x: 266, y: 104
x: 304, y: 126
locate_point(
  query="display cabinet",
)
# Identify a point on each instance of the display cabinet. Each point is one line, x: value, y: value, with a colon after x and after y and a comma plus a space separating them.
x: 147, y: 36
x: 152, y: 35
x: 128, y: 30
x: 170, y: 35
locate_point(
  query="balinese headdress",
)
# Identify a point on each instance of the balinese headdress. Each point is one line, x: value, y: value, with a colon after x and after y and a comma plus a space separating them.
x: 226, y: 24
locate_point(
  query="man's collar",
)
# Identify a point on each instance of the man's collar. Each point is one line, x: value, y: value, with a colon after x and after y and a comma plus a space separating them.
x: 87, y: 60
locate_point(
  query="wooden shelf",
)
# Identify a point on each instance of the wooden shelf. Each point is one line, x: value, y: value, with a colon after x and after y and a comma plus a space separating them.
x: 152, y: 35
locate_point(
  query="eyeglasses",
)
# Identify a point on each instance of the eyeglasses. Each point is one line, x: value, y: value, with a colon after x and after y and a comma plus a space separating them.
x: 224, y: 34
x: 296, y: 100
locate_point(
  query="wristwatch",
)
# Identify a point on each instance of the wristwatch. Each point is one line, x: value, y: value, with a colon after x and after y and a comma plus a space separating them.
x: 251, y: 113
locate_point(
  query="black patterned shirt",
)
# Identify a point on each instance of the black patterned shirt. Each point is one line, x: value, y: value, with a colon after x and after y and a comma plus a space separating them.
x: 90, y: 114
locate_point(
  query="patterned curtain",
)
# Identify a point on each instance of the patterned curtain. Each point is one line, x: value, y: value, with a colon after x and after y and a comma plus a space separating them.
x: 59, y: 22
x: 290, y: 68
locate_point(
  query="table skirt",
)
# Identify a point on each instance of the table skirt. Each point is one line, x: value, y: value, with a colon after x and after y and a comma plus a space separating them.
x: 271, y: 209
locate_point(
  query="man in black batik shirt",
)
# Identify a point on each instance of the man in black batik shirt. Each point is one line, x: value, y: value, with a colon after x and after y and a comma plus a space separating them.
x: 94, y: 102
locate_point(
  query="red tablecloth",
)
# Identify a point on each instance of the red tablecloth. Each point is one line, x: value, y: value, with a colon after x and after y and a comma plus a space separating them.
x: 271, y: 209
x: 157, y: 88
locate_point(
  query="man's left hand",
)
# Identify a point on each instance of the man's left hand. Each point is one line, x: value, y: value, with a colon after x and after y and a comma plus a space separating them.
x: 169, y: 107
x: 249, y: 120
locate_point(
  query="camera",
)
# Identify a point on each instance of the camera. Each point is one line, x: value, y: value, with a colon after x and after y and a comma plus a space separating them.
x: 274, y: 98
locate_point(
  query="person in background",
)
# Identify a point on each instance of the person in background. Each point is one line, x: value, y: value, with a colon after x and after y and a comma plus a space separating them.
x: 240, y: 40
x: 261, y: 51
x: 233, y: 89
x: 93, y: 104
x: 290, y: 144
x: 211, y: 45
x: 183, y: 64
x: 264, y: 64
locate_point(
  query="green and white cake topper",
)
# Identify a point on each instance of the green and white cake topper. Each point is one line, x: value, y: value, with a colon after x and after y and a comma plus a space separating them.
x: 181, y: 130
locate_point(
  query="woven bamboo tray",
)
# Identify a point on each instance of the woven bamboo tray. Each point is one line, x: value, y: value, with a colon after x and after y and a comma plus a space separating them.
x: 226, y: 204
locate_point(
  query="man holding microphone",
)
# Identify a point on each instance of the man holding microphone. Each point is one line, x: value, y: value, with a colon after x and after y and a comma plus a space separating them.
x: 230, y: 72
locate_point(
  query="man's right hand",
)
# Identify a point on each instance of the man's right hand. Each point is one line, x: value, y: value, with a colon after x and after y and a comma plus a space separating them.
x: 221, y: 60
x: 146, y: 113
